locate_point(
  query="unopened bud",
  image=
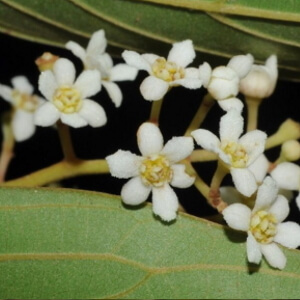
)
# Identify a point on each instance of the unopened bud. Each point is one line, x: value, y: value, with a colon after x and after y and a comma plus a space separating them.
x: 261, y: 80
x: 224, y: 83
x: 46, y: 61
x: 290, y: 150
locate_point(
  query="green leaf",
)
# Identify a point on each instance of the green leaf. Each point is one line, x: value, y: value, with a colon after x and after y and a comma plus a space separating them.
x: 263, y: 28
x: 67, y: 244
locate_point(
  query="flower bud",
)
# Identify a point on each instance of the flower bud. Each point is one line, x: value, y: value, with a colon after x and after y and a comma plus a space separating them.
x: 290, y: 150
x: 261, y: 80
x: 224, y: 83
x: 46, y: 61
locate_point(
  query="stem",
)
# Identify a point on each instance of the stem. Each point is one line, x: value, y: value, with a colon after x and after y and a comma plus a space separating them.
x: 8, y: 144
x: 288, y: 130
x: 155, y: 111
x: 201, y: 155
x: 66, y: 142
x: 214, y: 198
x: 205, y: 106
x: 59, y: 171
x: 201, y: 186
x: 219, y: 175
x: 253, y: 106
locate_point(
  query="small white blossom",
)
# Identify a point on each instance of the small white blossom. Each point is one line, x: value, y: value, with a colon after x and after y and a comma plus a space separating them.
x: 287, y: 177
x: 95, y: 57
x: 68, y: 97
x: 238, y: 153
x: 264, y: 225
x: 261, y: 80
x: 223, y: 82
x: 25, y: 103
x: 165, y: 73
x: 154, y: 171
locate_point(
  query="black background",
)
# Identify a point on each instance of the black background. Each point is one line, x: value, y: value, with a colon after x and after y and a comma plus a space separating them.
x: 17, y: 58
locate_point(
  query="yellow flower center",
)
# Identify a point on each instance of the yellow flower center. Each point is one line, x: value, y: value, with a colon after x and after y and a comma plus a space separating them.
x: 167, y: 70
x: 67, y: 99
x: 25, y: 101
x: 237, y: 154
x: 155, y: 170
x: 263, y: 226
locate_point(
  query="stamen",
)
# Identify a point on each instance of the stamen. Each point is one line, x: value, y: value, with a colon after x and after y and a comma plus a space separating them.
x: 263, y: 226
x: 67, y: 99
x: 156, y: 171
x: 166, y: 70
x: 25, y: 101
x: 237, y: 154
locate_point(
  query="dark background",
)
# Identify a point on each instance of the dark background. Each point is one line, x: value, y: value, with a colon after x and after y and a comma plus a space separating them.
x: 17, y: 58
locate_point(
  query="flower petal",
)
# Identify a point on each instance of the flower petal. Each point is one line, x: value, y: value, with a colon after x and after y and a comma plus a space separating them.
x: 114, y: 92
x: 298, y: 200
x: 93, y: 113
x: 254, y: 143
x: 237, y: 216
x: 189, y: 83
x: 287, y: 176
x: 272, y: 69
x: 124, y: 164
x: 74, y: 120
x: 122, y: 72
x: 259, y: 168
x: 280, y: 208
x: 180, y: 178
x: 88, y: 83
x: 206, y: 139
x: 231, y: 103
x: 150, y: 57
x: 97, y: 43
x: 244, y: 181
x: 288, y: 235
x: 266, y: 194
x: 274, y: 255
x: 47, y: 84
x: 205, y: 73
x: 178, y: 148
x: 134, y: 192
x: 77, y: 50
x: 153, y: 88
x: 165, y: 203
x: 150, y: 139
x: 136, y: 60
x: 22, y: 125
x: 5, y: 93
x: 64, y: 71
x: 182, y: 53
x: 22, y: 84
x: 231, y: 126
x: 46, y: 115
x: 253, y: 250
x: 241, y: 64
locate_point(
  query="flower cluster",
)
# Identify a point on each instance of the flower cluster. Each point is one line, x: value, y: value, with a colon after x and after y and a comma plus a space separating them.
x: 255, y: 204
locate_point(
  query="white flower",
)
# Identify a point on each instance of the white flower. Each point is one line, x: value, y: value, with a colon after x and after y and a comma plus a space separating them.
x: 24, y: 103
x: 238, y: 153
x: 287, y: 176
x: 154, y: 171
x: 68, y: 98
x: 95, y: 57
x: 223, y: 82
x: 264, y: 225
x: 261, y: 80
x: 165, y: 73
